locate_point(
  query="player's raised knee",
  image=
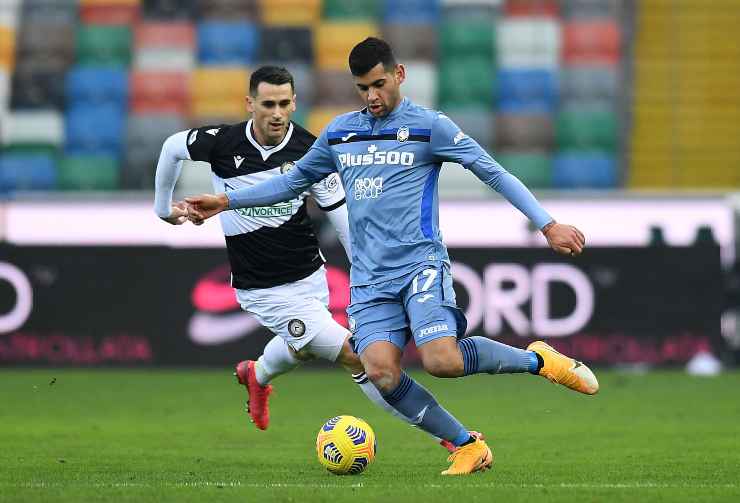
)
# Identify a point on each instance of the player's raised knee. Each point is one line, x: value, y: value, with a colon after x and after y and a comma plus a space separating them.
x: 385, y: 378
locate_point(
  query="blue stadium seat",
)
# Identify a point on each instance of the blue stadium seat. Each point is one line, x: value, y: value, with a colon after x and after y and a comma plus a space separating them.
x: 27, y: 172
x: 527, y: 91
x: 411, y: 11
x: 584, y: 169
x: 95, y: 130
x: 225, y: 42
x: 97, y: 85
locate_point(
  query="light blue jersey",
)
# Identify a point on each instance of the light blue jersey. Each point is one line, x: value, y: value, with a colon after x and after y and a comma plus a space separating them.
x: 390, y: 168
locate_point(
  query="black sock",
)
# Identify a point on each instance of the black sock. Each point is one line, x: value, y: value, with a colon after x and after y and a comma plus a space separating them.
x: 540, y: 363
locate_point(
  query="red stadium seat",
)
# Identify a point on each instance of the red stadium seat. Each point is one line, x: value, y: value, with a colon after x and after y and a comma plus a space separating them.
x: 154, y: 34
x: 591, y: 42
x: 109, y: 14
x: 546, y: 8
x: 160, y: 92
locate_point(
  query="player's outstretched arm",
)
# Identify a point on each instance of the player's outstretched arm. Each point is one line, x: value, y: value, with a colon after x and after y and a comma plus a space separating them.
x: 169, y: 166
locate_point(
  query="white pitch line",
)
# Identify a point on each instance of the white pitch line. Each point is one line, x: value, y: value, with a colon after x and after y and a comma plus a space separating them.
x: 282, y: 485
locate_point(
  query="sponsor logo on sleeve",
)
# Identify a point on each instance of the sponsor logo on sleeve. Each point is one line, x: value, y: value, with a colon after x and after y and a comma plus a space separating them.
x: 193, y: 135
x: 460, y: 136
x: 213, y: 132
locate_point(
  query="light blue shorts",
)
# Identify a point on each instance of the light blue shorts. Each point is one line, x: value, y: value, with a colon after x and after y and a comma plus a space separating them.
x: 420, y: 304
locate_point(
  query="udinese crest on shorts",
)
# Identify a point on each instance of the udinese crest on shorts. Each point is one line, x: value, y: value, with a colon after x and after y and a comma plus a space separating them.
x: 286, y: 166
x: 403, y: 134
x: 296, y: 328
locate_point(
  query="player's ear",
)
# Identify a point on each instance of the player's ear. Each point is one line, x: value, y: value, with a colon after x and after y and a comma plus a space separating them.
x: 293, y: 105
x: 250, y: 103
x: 400, y: 73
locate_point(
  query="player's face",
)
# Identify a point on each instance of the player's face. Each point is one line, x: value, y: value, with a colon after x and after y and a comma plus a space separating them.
x: 271, y: 109
x: 381, y: 90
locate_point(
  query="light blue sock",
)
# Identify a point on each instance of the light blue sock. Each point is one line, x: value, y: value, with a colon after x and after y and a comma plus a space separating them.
x: 481, y: 354
x: 413, y: 401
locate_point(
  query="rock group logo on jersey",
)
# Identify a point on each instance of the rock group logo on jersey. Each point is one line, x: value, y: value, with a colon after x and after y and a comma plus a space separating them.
x: 368, y: 188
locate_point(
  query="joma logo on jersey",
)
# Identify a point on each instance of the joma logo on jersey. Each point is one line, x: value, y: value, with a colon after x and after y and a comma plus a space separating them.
x: 375, y: 157
x: 279, y: 210
x: 368, y: 188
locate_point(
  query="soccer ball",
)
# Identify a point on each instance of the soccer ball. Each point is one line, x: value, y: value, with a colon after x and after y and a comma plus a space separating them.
x: 345, y: 445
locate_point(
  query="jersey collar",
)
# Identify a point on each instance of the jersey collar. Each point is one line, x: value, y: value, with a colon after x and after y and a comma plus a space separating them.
x: 265, y: 152
x: 400, y: 108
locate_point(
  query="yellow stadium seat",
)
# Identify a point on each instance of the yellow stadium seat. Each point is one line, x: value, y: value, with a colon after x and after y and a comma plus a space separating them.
x: 290, y: 12
x: 320, y: 117
x: 7, y: 48
x: 333, y: 42
x: 226, y: 108
x: 211, y: 83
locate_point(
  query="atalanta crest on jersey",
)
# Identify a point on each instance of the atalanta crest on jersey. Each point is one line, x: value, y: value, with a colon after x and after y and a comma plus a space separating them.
x: 286, y: 166
x: 296, y: 328
x: 403, y: 134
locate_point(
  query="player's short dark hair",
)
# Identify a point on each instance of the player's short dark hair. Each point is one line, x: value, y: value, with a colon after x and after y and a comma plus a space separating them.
x: 276, y: 75
x: 368, y: 53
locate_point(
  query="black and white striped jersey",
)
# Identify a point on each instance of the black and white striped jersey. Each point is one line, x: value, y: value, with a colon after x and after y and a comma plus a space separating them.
x: 271, y: 245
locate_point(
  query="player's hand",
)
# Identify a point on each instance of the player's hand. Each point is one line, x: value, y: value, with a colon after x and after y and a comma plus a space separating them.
x: 564, y: 239
x: 178, y: 213
x: 205, y: 206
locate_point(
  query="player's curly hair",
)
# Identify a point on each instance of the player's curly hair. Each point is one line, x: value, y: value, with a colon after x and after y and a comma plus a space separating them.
x: 276, y: 75
x: 368, y: 53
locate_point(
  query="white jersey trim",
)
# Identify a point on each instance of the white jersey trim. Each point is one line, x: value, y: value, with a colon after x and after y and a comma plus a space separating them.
x: 266, y: 153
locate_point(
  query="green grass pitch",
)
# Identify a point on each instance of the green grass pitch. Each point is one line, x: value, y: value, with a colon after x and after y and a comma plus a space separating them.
x: 151, y: 436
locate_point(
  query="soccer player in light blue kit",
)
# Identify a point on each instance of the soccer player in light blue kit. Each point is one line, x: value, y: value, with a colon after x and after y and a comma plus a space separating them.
x: 388, y: 156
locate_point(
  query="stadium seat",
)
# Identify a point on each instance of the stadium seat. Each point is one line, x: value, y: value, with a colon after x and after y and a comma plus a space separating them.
x: 357, y: 10
x: 105, y: 45
x: 411, y: 12
x: 456, y: 182
x: 466, y: 81
x: 531, y: 8
x: 27, y: 172
x: 589, y: 9
x: 169, y: 59
x: 303, y: 76
x: 591, y: 42
x: 528, y: 43
x: 527, y: 91
x: 144, y: 137
x: 227, y: 43
x: 533, y: 168
x: 320, y: 117
x: 472, y: 37
x: 88, y: 173
x: 335, y: 87
x: 115, y: 13
x: 32, y: 128
x: 290, y: 12
x: 334, y: 41
x: 62, y: 12
x: 159, y: 92
x: 4, y: 91
x: 51, y: 39
x: 97, y: 85
x: 477, y: 122
x: 584, y: 169
x: 233, y: 10
x: 289, y: 43
x: 164, y: 34
x: 412, y: 42
x: 524, y: 132
x: 421, y: 83
x: 95, y: 130
x: 587, y: 128
x: 37, y: 90
x: 7, y: 48
x: 219, y: 93
x: 591, y: 83
x: 168, y: 10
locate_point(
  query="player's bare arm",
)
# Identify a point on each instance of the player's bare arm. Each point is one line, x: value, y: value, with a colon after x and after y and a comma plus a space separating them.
x: 564, y: 239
